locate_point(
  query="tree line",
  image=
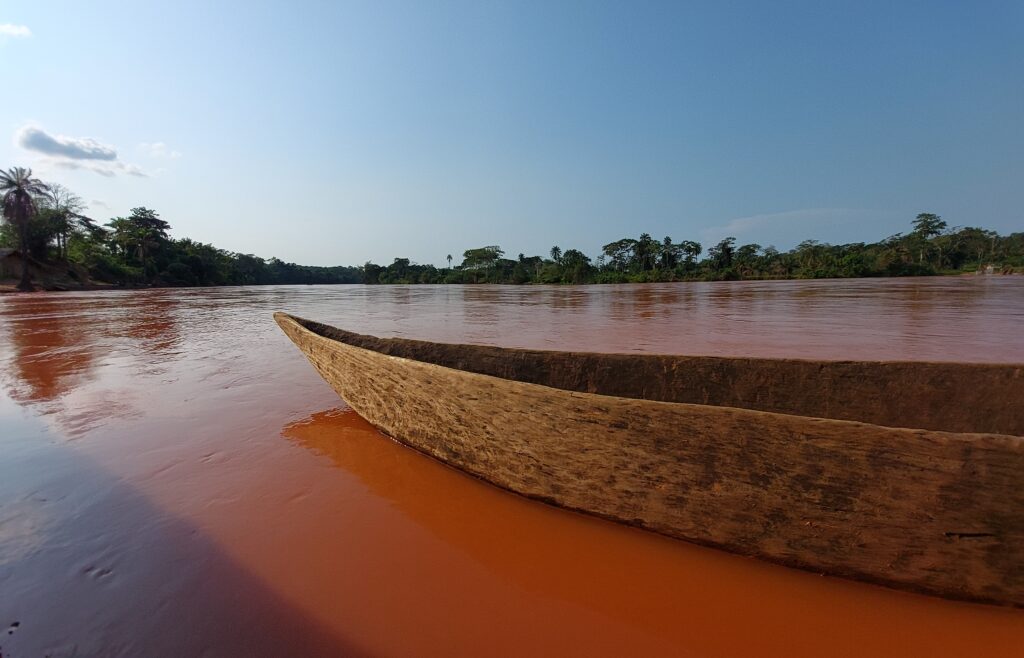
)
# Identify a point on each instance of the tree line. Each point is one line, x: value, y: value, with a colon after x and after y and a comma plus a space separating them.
x: 47, y: 222
x: 930, y: 247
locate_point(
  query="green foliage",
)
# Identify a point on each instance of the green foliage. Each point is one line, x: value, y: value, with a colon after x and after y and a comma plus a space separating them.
x: 481, y: 258
x: 185, y: 262
x: 928, y: 225
x: 136, y: 250
x: 720, y: 256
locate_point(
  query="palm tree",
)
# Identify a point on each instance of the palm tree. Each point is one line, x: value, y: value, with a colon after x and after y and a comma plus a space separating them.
x: 669, y: 253
x: 146, y: 240
x: 19, y: 190
x: 690, y: 251
x: 122, y: 236
x: 645, y: 252
x: 449, y: 261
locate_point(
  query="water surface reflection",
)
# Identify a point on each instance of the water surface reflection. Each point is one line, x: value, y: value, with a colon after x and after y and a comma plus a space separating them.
x: 667, y: 595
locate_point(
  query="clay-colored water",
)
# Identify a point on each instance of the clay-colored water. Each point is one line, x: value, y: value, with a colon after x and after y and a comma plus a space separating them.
x: 176, y: 480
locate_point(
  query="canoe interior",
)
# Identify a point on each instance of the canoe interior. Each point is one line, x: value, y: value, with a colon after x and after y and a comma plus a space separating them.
x: 951, y: 397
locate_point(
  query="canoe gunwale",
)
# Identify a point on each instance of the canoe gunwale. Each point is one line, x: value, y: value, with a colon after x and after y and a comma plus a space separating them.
x: 864, y: 368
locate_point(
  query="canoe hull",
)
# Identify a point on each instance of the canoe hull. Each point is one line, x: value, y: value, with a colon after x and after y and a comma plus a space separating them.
x: 928, y: 511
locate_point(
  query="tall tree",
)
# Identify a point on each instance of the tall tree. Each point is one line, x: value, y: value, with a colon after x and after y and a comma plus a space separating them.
x: 746, y: 259
x: 721, y: 254
x: 575, y: 266
x: 122, y: 236
x: 669, y: 254
x: 926, y: 226
x: 19, y: 191
x: 690, y: 250
x: 556, y: 253
x: 620, y: 253
x: 646, y: 251
x: 482, y: 257
x: 66, y: 208
x: 150, y: 232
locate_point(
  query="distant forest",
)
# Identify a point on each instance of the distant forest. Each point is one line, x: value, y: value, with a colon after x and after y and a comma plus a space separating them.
x: 47, y: 222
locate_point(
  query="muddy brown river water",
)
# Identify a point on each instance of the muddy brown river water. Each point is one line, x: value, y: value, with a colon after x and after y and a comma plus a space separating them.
x: 176, y: 480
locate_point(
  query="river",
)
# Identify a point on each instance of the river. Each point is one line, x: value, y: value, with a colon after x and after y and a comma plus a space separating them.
x: 176, y: 480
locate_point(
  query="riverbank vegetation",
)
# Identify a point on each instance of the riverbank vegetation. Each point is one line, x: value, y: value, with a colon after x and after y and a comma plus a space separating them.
x: 47, y: 223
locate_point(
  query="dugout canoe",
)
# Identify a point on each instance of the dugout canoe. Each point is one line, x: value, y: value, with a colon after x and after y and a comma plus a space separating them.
x: 904, y: 474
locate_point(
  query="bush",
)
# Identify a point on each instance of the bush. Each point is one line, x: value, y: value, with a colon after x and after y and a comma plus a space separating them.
x: 179, y: 274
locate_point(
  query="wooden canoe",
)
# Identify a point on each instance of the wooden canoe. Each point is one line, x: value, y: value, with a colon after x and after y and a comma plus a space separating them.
x: 905, y: 474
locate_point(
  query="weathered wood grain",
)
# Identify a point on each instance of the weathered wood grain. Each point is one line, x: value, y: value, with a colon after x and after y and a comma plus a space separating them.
x: 930, y: 511
x: 952, y: 397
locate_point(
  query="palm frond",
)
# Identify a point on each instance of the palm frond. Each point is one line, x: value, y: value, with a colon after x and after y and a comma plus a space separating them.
x: 18, y: 189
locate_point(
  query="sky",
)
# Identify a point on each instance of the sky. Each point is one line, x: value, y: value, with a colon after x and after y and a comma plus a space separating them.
x: 330, y: 133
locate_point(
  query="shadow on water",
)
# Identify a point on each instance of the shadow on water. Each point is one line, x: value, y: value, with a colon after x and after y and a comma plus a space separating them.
x: 89, y: 567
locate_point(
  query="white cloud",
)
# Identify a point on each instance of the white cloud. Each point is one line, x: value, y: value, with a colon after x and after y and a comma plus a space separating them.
x: 33, y: 138
x: 108, y: 169
x: 74, y: 152
x: 12, y: 30
x: 159, y: 150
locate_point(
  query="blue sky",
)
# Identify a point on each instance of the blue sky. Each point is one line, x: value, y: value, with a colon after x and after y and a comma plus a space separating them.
x: 340, y: 132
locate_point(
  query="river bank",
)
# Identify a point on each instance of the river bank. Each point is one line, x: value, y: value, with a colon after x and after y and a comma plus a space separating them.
x: 69, y: 285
